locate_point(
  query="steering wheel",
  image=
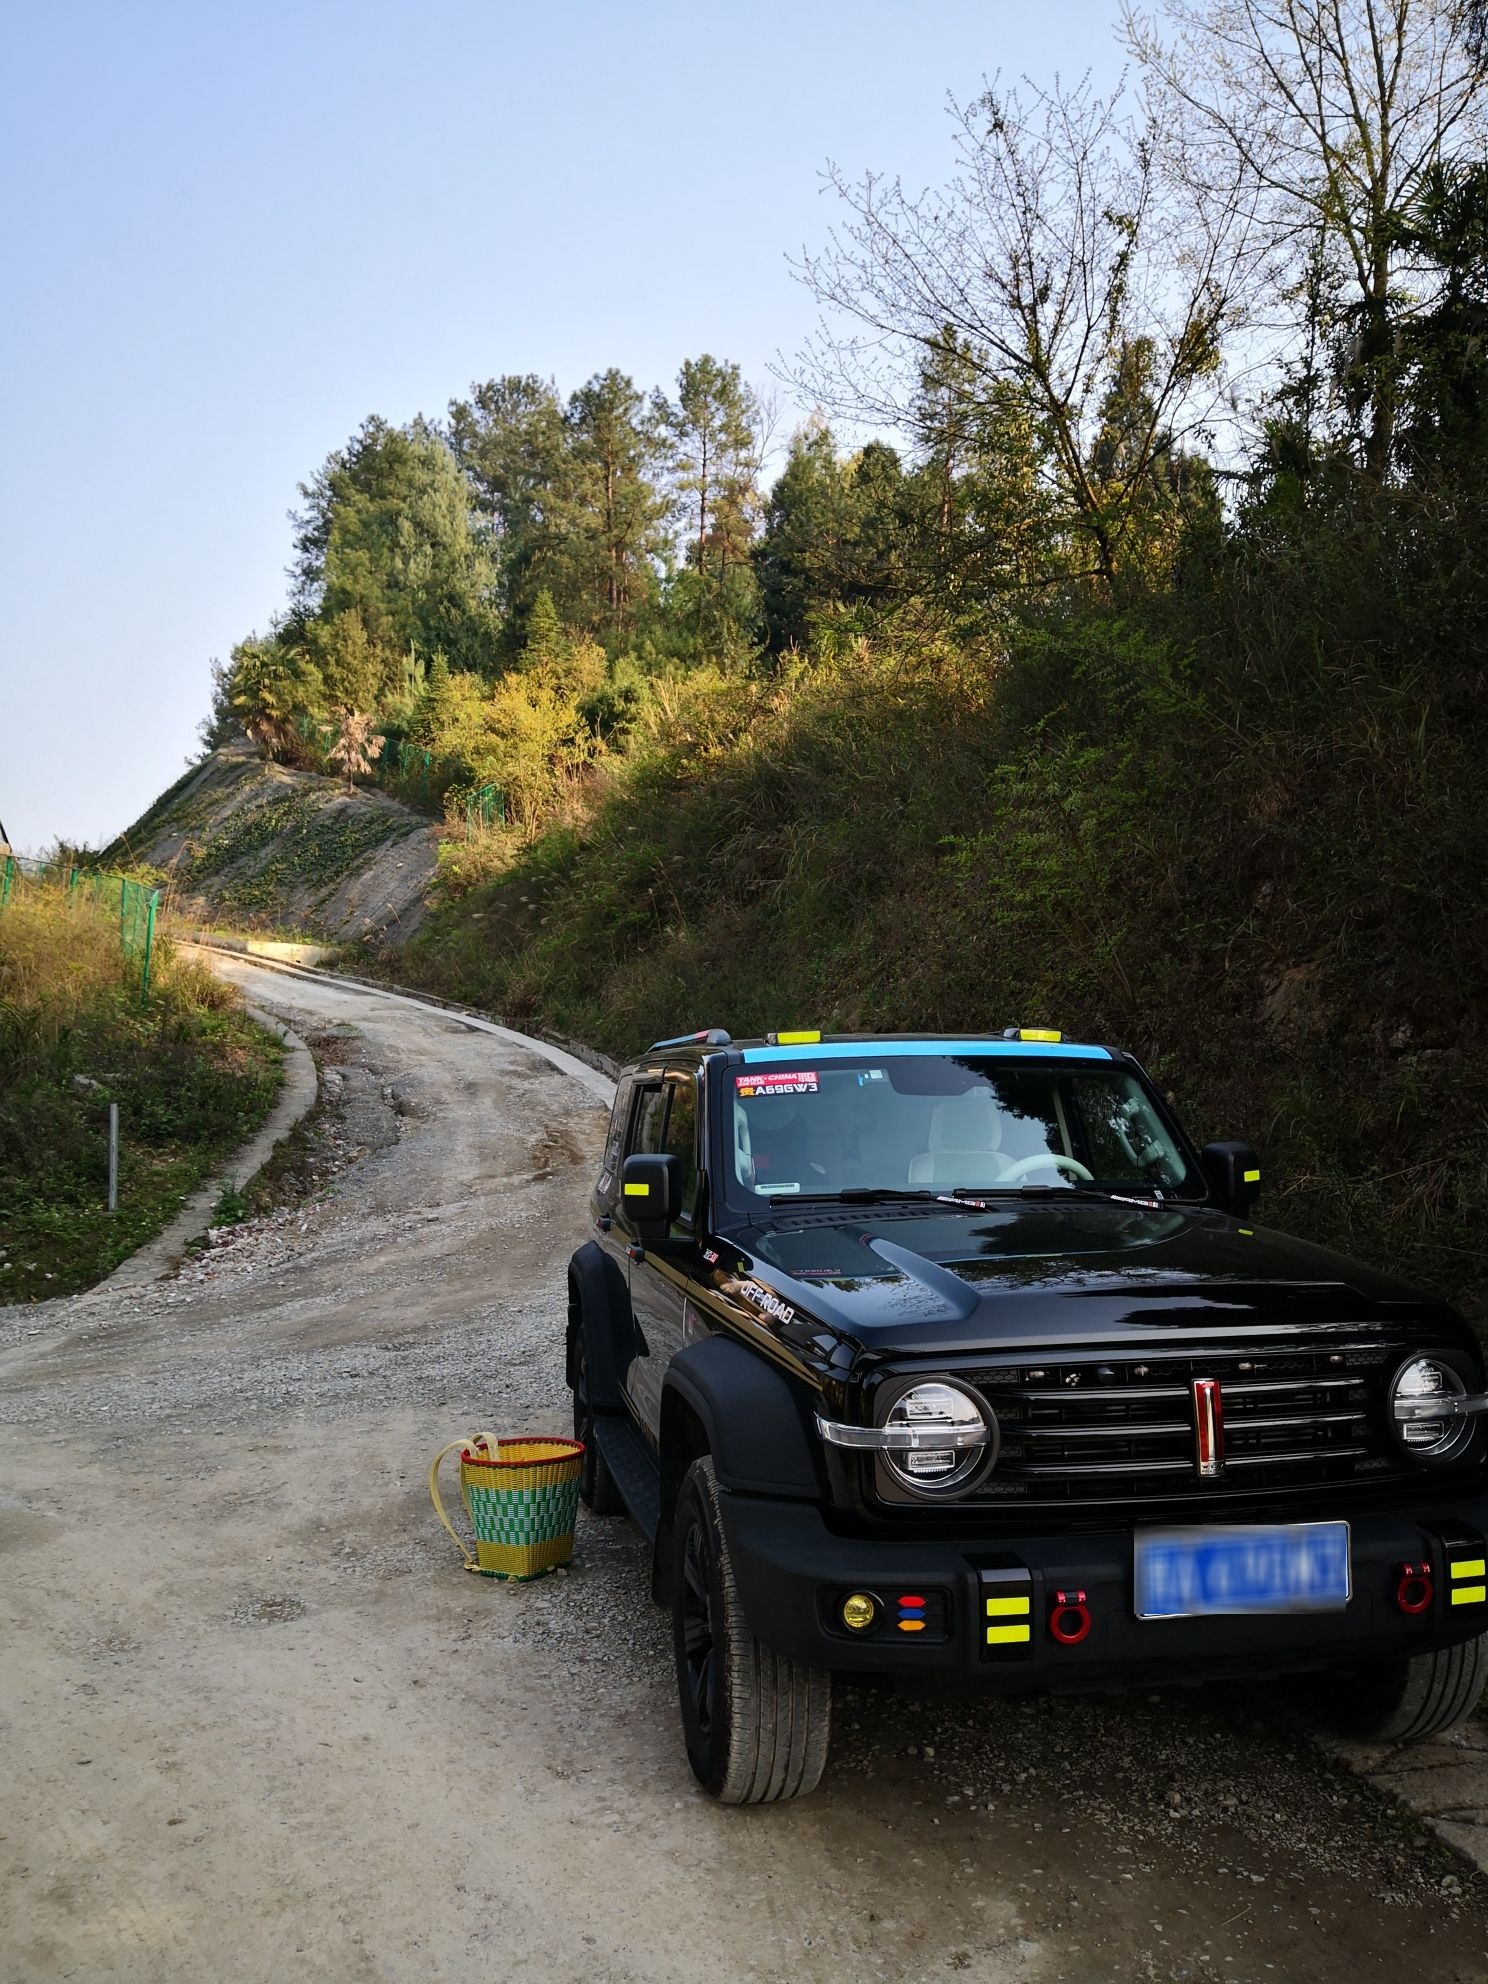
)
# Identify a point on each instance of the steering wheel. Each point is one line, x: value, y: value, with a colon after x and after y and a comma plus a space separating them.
x: 1015, y: 1173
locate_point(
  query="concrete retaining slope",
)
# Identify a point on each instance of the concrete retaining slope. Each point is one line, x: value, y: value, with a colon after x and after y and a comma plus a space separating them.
x: 260, y: 845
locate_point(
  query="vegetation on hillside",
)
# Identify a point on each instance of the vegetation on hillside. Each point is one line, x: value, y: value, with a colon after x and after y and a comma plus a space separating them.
x: 192, y: 1076
x: 1131, y: 678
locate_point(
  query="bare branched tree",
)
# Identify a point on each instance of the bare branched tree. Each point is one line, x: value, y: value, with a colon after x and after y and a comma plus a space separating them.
x: 1333, y: 112
x: 1048, y: 258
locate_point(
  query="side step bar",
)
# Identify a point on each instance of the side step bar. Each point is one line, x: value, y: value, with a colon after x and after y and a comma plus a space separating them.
x: 636, y: 1474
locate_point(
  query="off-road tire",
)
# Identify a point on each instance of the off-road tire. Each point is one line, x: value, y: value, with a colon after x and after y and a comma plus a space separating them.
x: 1404, y: 1701
x: 756, y: 1725
x: 597, y: 1490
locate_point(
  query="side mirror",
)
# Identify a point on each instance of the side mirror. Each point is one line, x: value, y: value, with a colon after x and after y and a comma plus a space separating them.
x: 651, y: 1193
x: 1233, y: 1174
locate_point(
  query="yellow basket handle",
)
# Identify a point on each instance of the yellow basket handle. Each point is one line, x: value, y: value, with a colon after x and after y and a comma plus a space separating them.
x: 486, y: 1440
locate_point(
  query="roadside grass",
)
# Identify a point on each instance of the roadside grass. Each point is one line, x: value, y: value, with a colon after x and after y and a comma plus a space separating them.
x: 192, y: 1075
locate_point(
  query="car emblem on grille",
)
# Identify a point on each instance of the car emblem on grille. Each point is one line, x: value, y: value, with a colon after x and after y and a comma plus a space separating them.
x: 1209, y: 1427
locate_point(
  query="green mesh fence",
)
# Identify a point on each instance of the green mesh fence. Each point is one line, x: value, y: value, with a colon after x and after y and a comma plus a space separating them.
x: 485, y: 808
x: 136, y: 904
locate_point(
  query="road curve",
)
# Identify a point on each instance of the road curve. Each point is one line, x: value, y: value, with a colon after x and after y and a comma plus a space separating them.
x: 255, y: 1721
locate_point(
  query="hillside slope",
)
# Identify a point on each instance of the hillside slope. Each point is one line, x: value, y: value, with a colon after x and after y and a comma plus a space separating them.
x: 1286, y: 921
x: 261, y: 846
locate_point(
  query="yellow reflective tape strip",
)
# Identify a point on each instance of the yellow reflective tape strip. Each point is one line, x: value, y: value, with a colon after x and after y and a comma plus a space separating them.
x: 1470, y: 1594
x: 1252, y: 1177
x: 638, y: 1191
x: 1003, y: 1606
x: 1007, y: 1635
x: 1469, y: 1567
x: 803, y: 1037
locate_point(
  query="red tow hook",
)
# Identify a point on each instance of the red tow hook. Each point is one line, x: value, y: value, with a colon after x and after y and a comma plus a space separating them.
x: 1414, y: 1589
x: 1069, y: 1618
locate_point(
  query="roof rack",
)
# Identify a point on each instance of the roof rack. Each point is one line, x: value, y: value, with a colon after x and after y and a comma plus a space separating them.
x: 710, y: 1036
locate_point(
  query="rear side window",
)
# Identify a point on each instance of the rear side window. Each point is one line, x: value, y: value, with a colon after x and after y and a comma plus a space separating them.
x: 619, y: 1116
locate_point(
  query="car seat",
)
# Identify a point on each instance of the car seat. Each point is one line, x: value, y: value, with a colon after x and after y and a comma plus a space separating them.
x: 965, y: 1138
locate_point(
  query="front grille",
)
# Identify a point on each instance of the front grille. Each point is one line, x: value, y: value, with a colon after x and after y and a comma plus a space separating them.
x: 1111, y: 1427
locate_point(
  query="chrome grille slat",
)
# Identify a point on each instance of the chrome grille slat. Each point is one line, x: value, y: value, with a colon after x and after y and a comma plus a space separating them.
x: 1284, y: 1459
x: 1244, y: 1424
x: 1055, y: 1470
x: 1243, y: 1387
x: 1119, y: 1429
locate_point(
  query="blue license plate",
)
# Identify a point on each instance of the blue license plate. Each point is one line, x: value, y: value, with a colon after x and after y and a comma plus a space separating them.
x: 1285, y: 1567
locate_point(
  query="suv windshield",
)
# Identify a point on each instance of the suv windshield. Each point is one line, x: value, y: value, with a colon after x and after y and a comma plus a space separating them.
x: 938, y: 1122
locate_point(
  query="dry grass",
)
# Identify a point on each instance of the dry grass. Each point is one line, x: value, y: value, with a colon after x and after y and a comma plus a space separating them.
x: 59, y: 959
x: 191, y: 1075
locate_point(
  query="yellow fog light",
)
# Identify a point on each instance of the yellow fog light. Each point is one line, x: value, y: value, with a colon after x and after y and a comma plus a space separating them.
x: 858, y: 1612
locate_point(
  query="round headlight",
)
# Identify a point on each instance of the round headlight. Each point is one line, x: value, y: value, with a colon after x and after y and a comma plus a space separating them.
x: 1427, y: 1435
x: 954, y: 1435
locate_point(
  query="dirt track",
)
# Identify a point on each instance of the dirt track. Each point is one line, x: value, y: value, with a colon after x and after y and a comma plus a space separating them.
x: 255, y: 1723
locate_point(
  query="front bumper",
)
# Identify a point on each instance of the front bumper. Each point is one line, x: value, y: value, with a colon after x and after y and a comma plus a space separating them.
x: 793, y: 1575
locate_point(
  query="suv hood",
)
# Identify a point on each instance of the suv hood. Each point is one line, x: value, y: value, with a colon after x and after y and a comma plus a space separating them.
x: 1041, y: 1273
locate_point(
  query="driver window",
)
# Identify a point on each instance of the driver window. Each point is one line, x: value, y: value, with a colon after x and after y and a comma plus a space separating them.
x: 645, y: 1134
x: 681, y: 1138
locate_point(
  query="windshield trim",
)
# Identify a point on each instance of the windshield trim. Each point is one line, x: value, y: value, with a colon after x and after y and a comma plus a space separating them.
x: 852, y: 1050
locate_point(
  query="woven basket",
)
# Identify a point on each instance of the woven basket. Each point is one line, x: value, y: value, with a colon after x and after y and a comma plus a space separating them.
x: 522, y: 1498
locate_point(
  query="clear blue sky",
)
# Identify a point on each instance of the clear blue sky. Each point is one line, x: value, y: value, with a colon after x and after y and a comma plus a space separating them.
x: 233, y: 228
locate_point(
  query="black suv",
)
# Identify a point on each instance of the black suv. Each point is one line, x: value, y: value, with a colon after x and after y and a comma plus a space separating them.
x: 952, y: 1361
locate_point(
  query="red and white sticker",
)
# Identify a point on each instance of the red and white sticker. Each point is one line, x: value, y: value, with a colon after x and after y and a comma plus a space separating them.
x: 771, y: 1081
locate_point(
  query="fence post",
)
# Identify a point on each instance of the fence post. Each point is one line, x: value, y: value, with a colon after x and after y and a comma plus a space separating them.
x: 150, y: 911
x: 7, y: 877
x: 113, y: 1147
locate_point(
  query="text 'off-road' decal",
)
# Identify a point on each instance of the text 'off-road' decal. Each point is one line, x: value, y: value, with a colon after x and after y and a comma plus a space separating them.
x: 767, y: 1300
x: 769, y: 1081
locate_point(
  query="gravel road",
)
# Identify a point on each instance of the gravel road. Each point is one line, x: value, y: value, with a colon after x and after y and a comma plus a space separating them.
x: 255, y: 1722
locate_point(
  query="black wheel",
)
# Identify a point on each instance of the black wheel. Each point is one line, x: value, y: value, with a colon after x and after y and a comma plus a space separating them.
x: 597, y: 1490
x: 756, y: 1726
x: 1403, y: 1701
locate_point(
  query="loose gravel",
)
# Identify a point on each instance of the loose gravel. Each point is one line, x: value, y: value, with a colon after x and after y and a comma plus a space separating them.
x: 256, y: 1718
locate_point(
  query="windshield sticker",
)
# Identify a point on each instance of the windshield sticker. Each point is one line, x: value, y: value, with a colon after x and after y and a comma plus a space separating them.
x: 770, y: 1081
